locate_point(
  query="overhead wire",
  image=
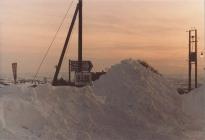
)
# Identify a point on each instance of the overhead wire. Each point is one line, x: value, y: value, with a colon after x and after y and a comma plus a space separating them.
x: 53, y: 40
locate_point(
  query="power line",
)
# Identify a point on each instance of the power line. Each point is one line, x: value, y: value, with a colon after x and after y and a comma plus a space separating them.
x: 45, y: 55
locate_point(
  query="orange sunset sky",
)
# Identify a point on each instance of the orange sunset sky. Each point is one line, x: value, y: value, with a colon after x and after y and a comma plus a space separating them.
x: 152, y: 30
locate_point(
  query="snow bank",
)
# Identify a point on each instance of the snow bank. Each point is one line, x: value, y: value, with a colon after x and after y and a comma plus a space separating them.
x: 194, y: 102
x: 45, y: 113
x: 194, y: 105
x: 130, y: 102
x: 142, y: 94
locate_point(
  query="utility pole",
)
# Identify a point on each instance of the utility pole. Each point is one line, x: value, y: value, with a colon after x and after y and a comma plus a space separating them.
x: 79, y: 12
x: 65, y: 46
x: 193, y: 45
x: 80, y: 35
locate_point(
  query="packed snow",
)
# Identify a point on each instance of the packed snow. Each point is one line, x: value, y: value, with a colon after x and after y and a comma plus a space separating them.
x: 130, y: 102
x: 194, y: 102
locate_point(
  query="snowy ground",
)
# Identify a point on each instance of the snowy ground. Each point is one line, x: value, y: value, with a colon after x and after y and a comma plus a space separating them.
x: 194, y: 105
x: 130, y: 102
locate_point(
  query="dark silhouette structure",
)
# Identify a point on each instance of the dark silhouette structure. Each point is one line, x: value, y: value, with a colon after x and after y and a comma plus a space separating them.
x: 78, y: 11
x: 14, y: 70
x: 193, y: 58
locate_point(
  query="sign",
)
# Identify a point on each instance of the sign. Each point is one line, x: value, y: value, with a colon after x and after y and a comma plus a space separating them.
x: 85, y: 66
x: 83, y: 78
x: 14, y: 69
x: 193, y: 56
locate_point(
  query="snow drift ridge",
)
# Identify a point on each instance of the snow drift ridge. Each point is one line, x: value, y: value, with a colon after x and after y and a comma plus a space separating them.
x: 130, y: 102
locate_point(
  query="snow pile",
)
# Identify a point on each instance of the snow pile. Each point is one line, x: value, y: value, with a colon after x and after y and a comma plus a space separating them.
x: 146, y: 97
x: 45, y: 113
x: 194, y: 105
x: 194, y: 102
x: 130, y: 102
x: 142, y: 94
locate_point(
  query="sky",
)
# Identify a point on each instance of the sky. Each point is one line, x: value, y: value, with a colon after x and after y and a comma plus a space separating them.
x: 151, y: 30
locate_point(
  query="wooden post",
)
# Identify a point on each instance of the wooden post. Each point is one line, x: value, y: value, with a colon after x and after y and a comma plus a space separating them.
x: 65, y: 46
x: 196, y: 62
x: 69, y: 72
x: 80, y: 35
x: 190, y: 78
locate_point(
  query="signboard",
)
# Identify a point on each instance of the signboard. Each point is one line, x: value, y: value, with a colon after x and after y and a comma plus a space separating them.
x: 83, y: 78
x: 193, y: 56
x: 14, y: 69
x: 85, y: 66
